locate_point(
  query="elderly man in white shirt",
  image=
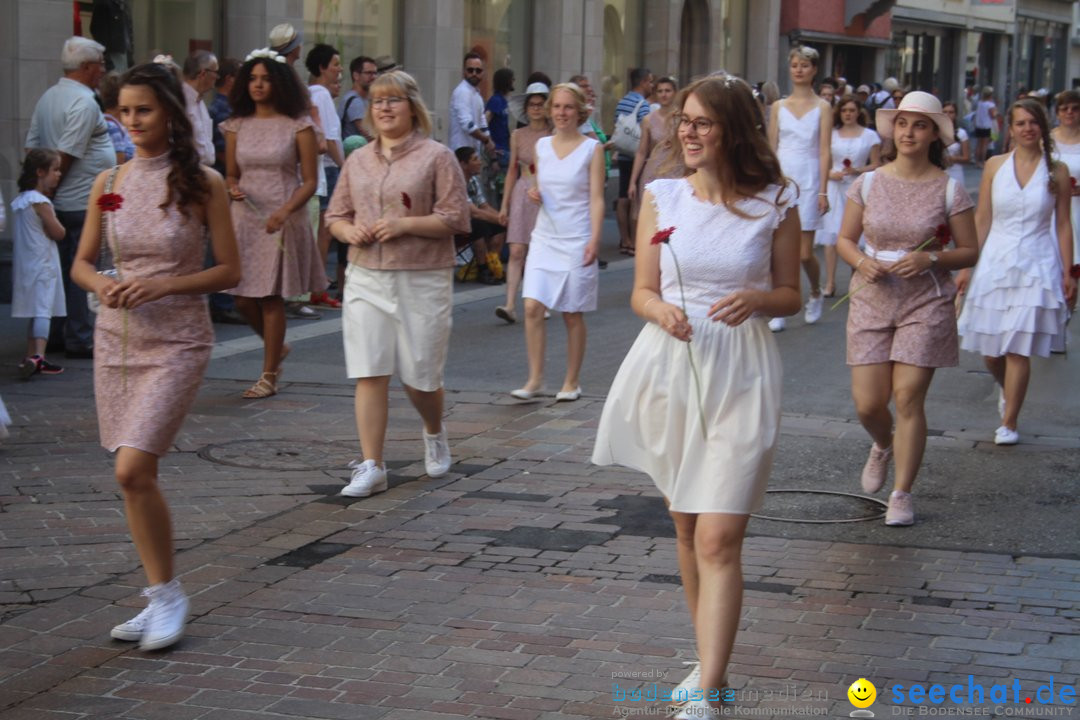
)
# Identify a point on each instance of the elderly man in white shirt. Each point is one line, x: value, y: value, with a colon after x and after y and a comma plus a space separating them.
x: 200, y: 74
x: 468, y: 126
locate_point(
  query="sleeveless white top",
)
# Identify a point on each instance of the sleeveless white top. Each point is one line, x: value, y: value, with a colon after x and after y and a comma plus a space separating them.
x: 564, y: 190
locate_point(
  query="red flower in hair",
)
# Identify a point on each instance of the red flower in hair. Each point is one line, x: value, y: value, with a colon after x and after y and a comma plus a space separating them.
x: 406, y: 200
x: 110, y: 202
x: 1074, y: 272
x: 662, y: 236
x: 847, y: 164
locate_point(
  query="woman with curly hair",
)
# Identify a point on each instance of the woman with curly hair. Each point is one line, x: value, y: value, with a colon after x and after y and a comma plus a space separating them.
x: 269, y: 134
x: 153, y: 336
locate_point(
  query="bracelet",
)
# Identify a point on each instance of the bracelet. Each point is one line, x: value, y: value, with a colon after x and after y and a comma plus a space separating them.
x: 823, y: 194
x: 653, y: 298
x: 860, y: 262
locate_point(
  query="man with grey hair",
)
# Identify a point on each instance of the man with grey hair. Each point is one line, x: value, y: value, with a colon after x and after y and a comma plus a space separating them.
x: 200, y: 73
x: 68, y: 119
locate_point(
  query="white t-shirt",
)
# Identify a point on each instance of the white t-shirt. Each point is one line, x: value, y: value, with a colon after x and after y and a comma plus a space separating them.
x: 331, y: 127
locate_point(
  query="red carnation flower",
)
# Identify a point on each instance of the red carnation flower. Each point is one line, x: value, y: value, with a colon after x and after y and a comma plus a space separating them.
x: 406, y: 201
x: 1072, y: 181
x: 110, y: 202
x: 662, y: 236
x: 1074, y: 272
x: 532, y: 168
x: 847, y: 164
x: 943, y: 234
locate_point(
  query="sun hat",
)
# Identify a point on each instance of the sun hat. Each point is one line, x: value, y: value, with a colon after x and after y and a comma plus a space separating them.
x: 284, y: 39
x: 517, y: 102
x: 920, y: 102
x: 385, y: 63
x: 863, y: 89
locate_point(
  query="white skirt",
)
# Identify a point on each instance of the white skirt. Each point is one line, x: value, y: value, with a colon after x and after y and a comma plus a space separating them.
x: 651, y: 420
x: 555, y: 277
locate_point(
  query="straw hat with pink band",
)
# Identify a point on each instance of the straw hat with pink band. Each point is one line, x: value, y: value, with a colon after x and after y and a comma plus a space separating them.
x: 916, y: 102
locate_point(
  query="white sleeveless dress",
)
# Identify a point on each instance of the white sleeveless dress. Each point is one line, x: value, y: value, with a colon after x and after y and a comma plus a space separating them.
x: 651, y: 420
x: 956, y: 172
x: 1014, y: 301
x: 856, y: 151
x: 800, y: 160
x: 1070, y: 155
x: 554, y: 274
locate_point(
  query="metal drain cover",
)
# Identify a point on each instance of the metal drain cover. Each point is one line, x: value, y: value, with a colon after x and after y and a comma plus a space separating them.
x: 819, y: 506
x: 280, y: 455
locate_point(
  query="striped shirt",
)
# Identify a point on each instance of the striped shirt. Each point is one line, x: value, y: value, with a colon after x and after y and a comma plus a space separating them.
x: 626, y: 106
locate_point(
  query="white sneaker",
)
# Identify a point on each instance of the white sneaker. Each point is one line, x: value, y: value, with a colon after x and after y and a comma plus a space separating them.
x: 777, y: 324
x: 1005, y: 436
x: 697, y: 710
x: 689, y: 683
x: 436, y: 454
x: 132, y: 630
x: 367, y: 478
x: 813, y: 309
x: 168, y: 611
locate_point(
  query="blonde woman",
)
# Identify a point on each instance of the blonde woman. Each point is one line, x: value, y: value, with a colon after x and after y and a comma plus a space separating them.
x: 399, y: 202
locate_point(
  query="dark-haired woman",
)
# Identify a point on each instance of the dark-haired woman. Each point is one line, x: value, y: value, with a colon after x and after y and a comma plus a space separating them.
x: 731, y: 262
x: 902, y: 323
x: 856, y: 149
x: 269, y: 134
x: 1067, y: 149
x: 1017, y: 303
x: 153, y: 335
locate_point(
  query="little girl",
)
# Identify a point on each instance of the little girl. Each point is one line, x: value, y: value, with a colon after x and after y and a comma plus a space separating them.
x: 37, y: 282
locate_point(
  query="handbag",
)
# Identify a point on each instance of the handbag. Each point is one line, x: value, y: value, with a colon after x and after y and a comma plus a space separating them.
x: 93, y: 302
x: 627, y: 134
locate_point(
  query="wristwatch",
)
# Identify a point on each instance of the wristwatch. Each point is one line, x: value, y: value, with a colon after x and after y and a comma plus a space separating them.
x: 933, y: 259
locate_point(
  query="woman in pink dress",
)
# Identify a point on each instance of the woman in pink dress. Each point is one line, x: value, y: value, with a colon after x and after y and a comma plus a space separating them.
x: 153, y: 336
x: 269, y: 134
x: 902, y: 322
x: 655, y: 157
x: 518, y: 213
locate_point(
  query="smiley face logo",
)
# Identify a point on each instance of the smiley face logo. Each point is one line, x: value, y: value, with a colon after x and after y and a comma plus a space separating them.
x: 862, y: 693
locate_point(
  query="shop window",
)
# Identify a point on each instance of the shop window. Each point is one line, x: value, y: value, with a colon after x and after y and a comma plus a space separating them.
x: 354, y: 27
x: 499, y: 30
x: 622, y: 51
x: 175, y: 27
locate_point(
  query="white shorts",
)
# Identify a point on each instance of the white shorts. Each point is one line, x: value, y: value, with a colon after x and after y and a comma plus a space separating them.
x: 398, y: 321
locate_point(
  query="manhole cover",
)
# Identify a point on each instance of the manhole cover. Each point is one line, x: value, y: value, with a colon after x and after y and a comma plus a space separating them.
x: 281, y: 455
x: 819, y: 506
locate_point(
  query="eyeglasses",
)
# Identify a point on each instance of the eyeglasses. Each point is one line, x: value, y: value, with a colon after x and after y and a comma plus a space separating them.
x: 474, y: 71
x: 368, y: 72
x: 392, y: 101
x: 1069, y: 108
x: 897, y: 98
x: 702, y: 126
x: 536, y: 105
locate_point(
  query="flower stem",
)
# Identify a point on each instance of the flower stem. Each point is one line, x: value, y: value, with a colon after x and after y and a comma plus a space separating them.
x: 689, y: 348
x: 851, y: 292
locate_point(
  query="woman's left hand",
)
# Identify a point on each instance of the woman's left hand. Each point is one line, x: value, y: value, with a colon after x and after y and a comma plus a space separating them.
x: 735, y: 308
x: 275, y: 222
x: 911, y: 265
x: 387, y: 229
x: 132, y: 293
x: 1069, y: 286
x: 591, y: 253
x: 822, y: 204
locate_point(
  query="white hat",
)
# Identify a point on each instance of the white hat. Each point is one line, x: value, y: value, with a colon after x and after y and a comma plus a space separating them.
x: 863, y: 89
x: 916, y: 102
x: 284, y: 39
x: 517, y: 102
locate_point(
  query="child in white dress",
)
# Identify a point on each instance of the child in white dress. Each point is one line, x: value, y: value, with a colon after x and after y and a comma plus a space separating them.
x: 37, y: 289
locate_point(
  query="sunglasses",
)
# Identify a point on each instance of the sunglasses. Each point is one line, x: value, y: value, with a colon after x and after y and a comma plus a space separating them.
x: 474, y: 71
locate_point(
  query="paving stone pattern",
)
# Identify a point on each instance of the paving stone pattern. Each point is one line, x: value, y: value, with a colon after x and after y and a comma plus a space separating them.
x: 524, y: 584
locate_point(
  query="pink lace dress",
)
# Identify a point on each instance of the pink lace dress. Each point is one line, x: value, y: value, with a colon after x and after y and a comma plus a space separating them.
x: 523, y: 211
x: 662, y: 162
x: 285, y: 264
x: 149, y: 362
x: 910, y: 321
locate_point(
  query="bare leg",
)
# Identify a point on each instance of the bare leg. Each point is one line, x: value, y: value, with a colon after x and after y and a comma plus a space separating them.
x: 910, y: 384
x: 372, y: 407
x: 810, y: 263
x: 1017, y: 375
x: 249, y: 308
x: 575, y: 350
x: 429, y: 403
x: 535, y: 343
x: 514, y: 269
x: 718, y: 541
x: 830, y: 269
x: 273, y: 323
x: 684, y: 545
x: 147, y: 513
x: 871, y: 388
x: 622, y: 218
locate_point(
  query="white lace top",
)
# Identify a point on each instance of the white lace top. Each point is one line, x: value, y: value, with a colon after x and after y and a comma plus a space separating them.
x: 717, y: 251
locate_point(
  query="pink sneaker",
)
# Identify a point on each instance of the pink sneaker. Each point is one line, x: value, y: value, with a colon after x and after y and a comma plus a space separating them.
x: 876, y: 469
x: 900, y: 512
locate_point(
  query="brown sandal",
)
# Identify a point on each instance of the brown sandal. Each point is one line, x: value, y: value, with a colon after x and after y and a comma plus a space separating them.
x: 264, y: 387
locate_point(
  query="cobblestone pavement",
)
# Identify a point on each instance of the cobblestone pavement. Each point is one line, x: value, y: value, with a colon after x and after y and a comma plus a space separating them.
x: 524, y: 584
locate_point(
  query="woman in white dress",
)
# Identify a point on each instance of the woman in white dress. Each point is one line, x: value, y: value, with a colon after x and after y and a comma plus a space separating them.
x: 1017, y: 301
x: 856, y: 149
x: 731, y: 262
x: 1067, y: 146
x: 800, y: 132
x: 561, y: 271
x: 958, y: 154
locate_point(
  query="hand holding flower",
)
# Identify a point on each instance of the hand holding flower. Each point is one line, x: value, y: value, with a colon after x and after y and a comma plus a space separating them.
x: 134, y: 292
x: 356, y: 235
x: 386, y: 229
x: 736, y: 308
x: 275, y: 222
x: 670, y: 318
x: 105, y: 289
x: 910, y: 265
